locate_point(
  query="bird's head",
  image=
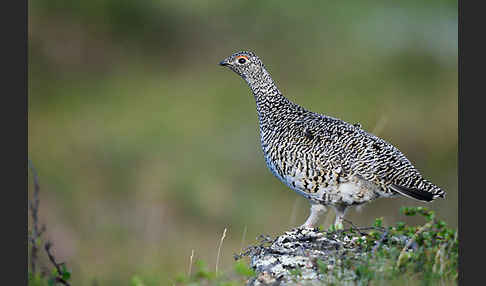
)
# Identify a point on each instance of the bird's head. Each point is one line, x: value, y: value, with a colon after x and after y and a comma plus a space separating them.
x: 244, y: 63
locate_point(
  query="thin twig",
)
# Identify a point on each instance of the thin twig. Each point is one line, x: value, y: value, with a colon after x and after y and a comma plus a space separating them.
x: 380, y: 242
x: 409, y: 242
x: 354, y: 226
x: 362, y: 229
x: 34, y: 210
x: 47, y: 247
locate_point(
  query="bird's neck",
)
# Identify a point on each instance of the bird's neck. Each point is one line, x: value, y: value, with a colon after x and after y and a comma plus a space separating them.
x: 269, y: 99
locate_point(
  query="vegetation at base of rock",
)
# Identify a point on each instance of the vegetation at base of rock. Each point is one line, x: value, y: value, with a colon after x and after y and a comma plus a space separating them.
x: 396, y: 255
x: 429, y: 252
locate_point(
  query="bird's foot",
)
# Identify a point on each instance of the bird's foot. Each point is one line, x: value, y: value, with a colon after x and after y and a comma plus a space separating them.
x: 306, y: 226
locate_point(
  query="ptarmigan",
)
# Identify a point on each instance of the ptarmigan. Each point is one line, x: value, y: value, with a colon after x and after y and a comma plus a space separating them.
x: 326, y: 160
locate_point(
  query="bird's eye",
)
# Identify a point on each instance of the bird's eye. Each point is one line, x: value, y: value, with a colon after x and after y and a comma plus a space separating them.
x: 242, y: 60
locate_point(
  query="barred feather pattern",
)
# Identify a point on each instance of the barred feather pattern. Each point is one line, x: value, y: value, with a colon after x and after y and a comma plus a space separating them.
x: 325, y: 159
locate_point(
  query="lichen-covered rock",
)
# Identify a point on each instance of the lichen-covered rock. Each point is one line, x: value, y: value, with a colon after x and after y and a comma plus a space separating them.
x: 304, y: 257
x: 425, y: 254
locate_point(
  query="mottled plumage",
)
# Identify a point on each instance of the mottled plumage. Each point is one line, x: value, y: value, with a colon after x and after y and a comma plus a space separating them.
x: 328, y: 161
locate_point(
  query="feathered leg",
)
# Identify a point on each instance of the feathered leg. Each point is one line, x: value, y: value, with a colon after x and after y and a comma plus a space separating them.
x: 315, y: 212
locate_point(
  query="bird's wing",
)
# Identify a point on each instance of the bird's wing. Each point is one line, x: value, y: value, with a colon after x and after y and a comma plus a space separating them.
x: 370, y: 157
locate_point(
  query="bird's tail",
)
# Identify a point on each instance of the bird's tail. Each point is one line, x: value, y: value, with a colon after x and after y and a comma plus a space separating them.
x: 429, y: 193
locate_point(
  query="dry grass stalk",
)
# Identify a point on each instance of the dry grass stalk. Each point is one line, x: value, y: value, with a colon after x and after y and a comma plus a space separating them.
x: 190, y: 263
x: 219, y: 250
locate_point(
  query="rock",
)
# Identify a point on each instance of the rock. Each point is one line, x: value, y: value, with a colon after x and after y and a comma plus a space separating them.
x: 304, y: 257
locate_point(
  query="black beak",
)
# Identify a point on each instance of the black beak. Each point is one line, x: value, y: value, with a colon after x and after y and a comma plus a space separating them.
x: 223, y: 63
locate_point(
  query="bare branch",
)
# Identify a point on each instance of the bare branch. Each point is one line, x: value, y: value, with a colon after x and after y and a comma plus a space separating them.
x: 47, y: 247
x: 36, y: 232
x: 34, y: 210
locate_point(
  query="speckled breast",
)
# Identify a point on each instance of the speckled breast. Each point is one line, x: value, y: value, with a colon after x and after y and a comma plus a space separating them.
x: 293, y: 173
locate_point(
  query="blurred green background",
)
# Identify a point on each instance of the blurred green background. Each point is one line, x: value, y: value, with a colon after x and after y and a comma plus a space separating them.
x: 147, y: 149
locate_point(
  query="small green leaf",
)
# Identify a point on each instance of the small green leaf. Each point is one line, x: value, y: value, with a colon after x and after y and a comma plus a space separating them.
x: 378, y: 222
x: 65, y: 273
x: 400, y: 226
